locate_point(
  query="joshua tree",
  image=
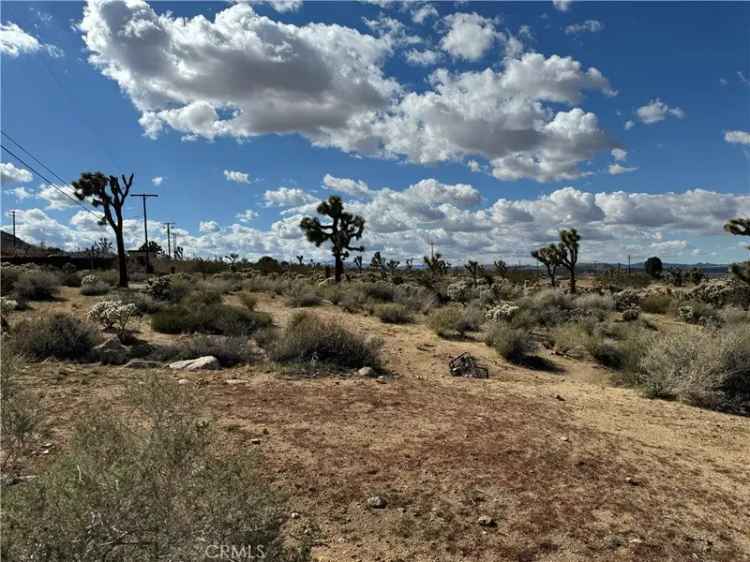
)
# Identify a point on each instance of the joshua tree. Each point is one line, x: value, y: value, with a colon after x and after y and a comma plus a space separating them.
x: 153, y: 248
x: 569, y: 253
x: 392, y: 266
x: 501, y: 268
x: 344, y: 228
x: 475, y: 270
x: 177, y: 252
x: 358, y: 263
x: 437, y: 265
x: 94, y: 186
x: 654, y: 267
x: 409, y: 264
x: 104, y: 246
x: 301, y: 260
x: 551, y: 257
x: 675, y: 276
x: 740, y: 227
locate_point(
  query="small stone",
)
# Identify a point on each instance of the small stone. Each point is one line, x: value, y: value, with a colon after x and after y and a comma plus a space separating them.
x: 255, y: 441
x: 381, y: 380
x: 206, y: 363
x: 376, y: 502
x: 631, y: 481
x: 234, y: 381
x: 486, y: 521
x: 366, y: 372
x: 111, y: 352
x: 183, y: 381
x: 295, y: 515
x: 564, y: 438
x: 560, y: 398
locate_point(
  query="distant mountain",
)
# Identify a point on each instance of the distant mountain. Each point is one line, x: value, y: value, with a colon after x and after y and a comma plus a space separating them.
x: 10, y: 245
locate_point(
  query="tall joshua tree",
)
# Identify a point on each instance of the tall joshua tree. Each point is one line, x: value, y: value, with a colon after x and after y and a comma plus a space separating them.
x: 569, y: 253
x: 107, y: 193
x: 344, y: 228
x: 740, y: 227
x: 551, y: 257
x: 436, y: 263
x: 474, y: 269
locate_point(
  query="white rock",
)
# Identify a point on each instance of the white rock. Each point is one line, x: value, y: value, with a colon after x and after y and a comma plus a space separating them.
x: 206, y: 363
x: 366, y: 372
x: 376, y: 502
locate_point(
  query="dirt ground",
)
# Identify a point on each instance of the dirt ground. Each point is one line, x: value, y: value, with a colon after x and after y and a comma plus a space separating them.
x: 568, y: 467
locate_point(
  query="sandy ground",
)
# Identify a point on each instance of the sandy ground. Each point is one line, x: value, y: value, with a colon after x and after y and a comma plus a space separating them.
x: 568, y: 467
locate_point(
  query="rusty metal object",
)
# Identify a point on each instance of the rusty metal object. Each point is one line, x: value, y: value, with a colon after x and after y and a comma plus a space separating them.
x: 465, y: 365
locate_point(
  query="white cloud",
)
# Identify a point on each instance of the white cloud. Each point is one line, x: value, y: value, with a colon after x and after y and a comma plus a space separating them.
x: 247, y: 215
x: 420, y: 13
x: 285, y: 5
x: 157, y: 181
x: 737, y: 137
x: 236, y: 176
x: 469, y: 37
x: 10, y: 174
x: 206, y: 227
x: 744, y: 79
x: 288, y: 197
x: 629, y: 124
x: 58, y: 197
x: 562, y: 5
x: 345, y: 185
x: 617, y: 169
x: 619, y: 154
x: 588, y: 26
x: 21, y: 193
x: 656, y: 110
x: 14, y: 42
x: 426, y: 57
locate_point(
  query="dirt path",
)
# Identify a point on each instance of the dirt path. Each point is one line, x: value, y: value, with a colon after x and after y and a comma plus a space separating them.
x: 569, y: 468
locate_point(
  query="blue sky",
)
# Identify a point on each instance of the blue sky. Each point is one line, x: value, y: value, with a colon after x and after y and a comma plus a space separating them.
x: 484, y: 127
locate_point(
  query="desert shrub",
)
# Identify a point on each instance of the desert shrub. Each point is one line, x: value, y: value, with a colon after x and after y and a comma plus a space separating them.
x: 548, y: 298
x: 229, y: 350
x: 656, y: 303
x: 112, y: 276
x: 261, y: 284
x: 21, y: 416
x: 450, y: 321
x: 572, y: 338
x: 220, y: 319
x: 307, y: 337
x: 605, y: 352
x: 595, y: 301
x: 149, y: 485
x: 511, y: 343
x: 8, y: 279
x: 144, y: 303
x: 732, y: 315
x: 708, y: 368
x: 392, y: 313
x: 56, y: 335
x: 201, y: 296
x: 113, y: 315
x: 36, y: 285
x: 379, y: 291
x: 696, y: 312
x: 547, y: 308
x: 95, y: 288
x: 302, y: 296
x: 220, y: 285
x: 248, y: 300
x: 622, y: 279
x: 69, y: 275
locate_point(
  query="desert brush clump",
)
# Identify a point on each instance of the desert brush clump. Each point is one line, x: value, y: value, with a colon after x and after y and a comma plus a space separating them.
x: 57, y: 335
x: 453, y: 321
x: 308, y: 338
x: 510, y: 343
x: 219, y: 319
x: 36, y: 285
x: 150, y: 484
x: 91, y: 285
x: 656, y: 303
x: 113, y: 315
x: 392, y: 313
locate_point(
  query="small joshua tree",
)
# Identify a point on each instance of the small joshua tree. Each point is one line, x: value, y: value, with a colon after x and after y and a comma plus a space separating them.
x: 654, y: 267
x: 301, y: 260
x: 740, y: 227
x: 108, y: 194
x: 551, y: 257
x: 475, y: 270
x: 392, y: 266
x: 409, y: 264
x: 358, y: 263
x: 438, y: 266
x: 569, y: 240
x: 501, y: 268
x: 377, y: 263
x: 344, y: 228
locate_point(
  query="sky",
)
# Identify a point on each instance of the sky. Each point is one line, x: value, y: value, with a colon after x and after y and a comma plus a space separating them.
x: 480, y: 127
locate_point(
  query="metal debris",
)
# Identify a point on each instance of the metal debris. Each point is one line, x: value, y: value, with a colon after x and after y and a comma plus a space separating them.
x: 465, y: 365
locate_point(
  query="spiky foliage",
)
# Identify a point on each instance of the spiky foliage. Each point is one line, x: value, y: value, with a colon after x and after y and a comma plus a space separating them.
x: 653, y: 267
x: 551, y: 257
x: 569, y: 240
x: 358, y: 263
x: 392, y: 266
x: 740, y: 227
x: 409, y: 264
x: 377, y: 264
x: 107, y: 193
x: 475, y: 270
x: 437, y: 265
x: 344, y: 228
x: 501, y: 268
x: 301, y: 260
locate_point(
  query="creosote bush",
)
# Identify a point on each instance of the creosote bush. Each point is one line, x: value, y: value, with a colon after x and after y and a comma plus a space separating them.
x: 451, y: 321
x: 220, y: 319
x: 510, y: 343
x: 656, y: 303
x: 57, y: 335
x: 36, y: 285
x: 392, y: 313
x: 307, y: 337
x: 151, y: 484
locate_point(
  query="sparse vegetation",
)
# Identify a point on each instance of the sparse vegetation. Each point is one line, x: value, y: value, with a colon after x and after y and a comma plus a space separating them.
x: 36, y: 285
x: 452, y: 321
x: 393, y: 313
x: 219, y: 319
x: 57, y: 335
x: 511, y: 343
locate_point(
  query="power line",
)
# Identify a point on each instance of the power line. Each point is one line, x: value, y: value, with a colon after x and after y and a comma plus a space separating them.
x: 42, y: 164
x: 49, y: 182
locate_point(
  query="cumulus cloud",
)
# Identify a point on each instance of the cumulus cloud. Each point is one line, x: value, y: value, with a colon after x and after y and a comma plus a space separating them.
x: 21, y: 193
x: 656, y: 110
x: 288, y: 197
x: 469, y: 36
x: 616, y: 169
x: 206, y: 227
x: 619, y: 154
x: 737, y: 137
x: 355, y: 188
x: 588, y: 26
x: 236, y: 176
x: 426, y: 57
x: 562, y: 5
x: 157, y: 181
x: 421, y: 13
x: 14, y: 42
x: 10, y: 174
x: 285, y: 5
x: 247, y: 215
x: 629, y: 124
x: 58, y: 197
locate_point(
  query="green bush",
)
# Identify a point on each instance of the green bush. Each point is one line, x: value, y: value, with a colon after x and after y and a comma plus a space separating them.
x: 95, y: 289
x: 201, y: 297
x: 143, y: 302
x: 449, y: 321
x: 229, y: 350
x: 152, y: 484
x: 56, y: 335
x: 307, y: 337
x: 511, y: 343
x: 301, y: 296
x: 36, y: 285
x: 392, y: 313
x: 656, y: 303
x: 220, y: 319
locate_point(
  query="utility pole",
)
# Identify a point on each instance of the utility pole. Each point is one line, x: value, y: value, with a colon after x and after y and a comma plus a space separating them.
x: 174, y: 241
x: 628, y: 264
x: 169, y: 225
x: 143, y: 197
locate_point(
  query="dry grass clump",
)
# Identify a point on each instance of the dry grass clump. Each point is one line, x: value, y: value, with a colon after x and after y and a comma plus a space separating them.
x: 248, y: 300
x: 656, y: 303
x: 57, y: 335
x: 454, y: 320
x: 229, y: 350
x: 36, y: 285
x: 513, y: 344
x: 595, y: 301
x: 152, y: 484
x: 308, y: 338
x: 392, y: 313
x: 219, y: 319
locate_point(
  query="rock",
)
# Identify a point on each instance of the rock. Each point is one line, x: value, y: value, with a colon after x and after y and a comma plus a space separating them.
x: 366, y: 372
x: 560, y: 398
x: 111, y: 352
x: 255, y: 441
x: 376, y: 502
x: 142, y: 364
x: 486, y: 521
x: 327, y: 281
x: 631, y: 481
x: 183, y: 381
x: 235, y: 381
x: 206, y: 363
x: 295, y: 515
x: 381, y: 380
x: 564, y: 438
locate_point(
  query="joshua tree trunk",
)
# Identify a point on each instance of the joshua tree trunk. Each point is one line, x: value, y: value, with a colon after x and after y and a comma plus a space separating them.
x: 339, y: 271
x: 121, y: 259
